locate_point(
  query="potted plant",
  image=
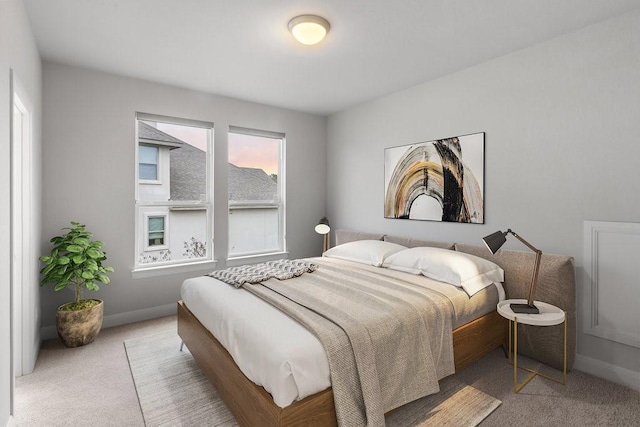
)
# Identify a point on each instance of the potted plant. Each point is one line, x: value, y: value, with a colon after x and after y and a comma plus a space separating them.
x: 76, y: 260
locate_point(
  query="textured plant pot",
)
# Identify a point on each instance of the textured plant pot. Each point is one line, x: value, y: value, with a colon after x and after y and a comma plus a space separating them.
x: 79, y: 327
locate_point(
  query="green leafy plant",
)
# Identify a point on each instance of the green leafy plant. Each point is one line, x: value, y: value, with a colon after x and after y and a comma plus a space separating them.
x: 75, y: 260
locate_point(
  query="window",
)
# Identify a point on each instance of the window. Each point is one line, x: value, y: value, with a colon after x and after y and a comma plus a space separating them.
x: 156, y: 230
x: 173, y: 191
x: 256, y: 192
x: 148, y: 162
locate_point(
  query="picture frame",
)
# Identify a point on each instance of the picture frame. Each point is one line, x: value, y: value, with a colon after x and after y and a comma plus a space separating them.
x: 439, y: 180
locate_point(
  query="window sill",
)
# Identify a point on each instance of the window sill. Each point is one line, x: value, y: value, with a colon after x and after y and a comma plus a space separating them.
x: 163, y: 270
x: 253, y: 259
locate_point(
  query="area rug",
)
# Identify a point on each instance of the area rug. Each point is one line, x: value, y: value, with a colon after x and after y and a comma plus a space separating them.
x: 173, y: 391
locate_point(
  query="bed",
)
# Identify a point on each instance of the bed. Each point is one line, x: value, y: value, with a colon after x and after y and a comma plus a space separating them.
x: 474, y: 335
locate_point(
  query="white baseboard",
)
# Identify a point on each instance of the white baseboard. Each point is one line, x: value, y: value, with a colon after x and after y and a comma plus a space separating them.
x: 10, y: 422
x: 616, y: 374
x: 49, y: 332
x: 613, y: 373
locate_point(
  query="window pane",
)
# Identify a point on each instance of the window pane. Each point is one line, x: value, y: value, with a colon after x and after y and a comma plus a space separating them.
x: 156, y: 223
x: 255, y: 207
x: 156, y: 231
x: 173, y: 202
x: 253, y: 230
x: 176, y: 157
x: 188, y: 163
x: 253, y: 168
x: 147, y: 171
x: 156, y: 239
x: 148, y: 154
x: 148, y: 162
x: 183, y: 240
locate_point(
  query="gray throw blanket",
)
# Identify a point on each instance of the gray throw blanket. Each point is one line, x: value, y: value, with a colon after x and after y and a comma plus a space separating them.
x: 281, y: 269
x: 388, y: 340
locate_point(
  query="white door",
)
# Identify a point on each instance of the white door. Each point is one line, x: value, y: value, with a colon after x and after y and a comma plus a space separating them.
x: 16, y: 234
x: 23, y: 262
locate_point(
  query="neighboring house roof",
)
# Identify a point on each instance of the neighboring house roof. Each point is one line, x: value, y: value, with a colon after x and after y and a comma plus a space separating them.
x: 188, y: 169
x: 147, y: 134
x: 188, y: 173
x: 250, y: 184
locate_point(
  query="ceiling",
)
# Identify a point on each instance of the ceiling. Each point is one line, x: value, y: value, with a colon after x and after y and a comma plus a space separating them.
x: 242, y: 48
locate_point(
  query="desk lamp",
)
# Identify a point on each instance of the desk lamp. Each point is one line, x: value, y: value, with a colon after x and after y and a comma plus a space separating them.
x: 494, y: 241
x: 324, y: 228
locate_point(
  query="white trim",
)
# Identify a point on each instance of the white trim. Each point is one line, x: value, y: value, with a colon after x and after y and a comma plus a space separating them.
x: 49, y: 332
x: 282, y: 193
x: 256, y: 258
x: 171, y: 204
x: 19, y: 115
x: 25, y: 338
x: 10, y: 421
x: 256, y: 132
x: 253, y: 205
x: 187, y: 208
x: 162, y: 270
x: 593, y: 232
x: 173, y: 120
x: 613, y: 373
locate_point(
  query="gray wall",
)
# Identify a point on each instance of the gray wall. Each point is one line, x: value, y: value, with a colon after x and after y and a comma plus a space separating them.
x: 89, y: 168
x: 562, y: 121
x: 19, y: 53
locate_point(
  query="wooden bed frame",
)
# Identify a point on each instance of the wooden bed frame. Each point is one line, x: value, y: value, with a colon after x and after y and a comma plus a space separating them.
x: 252, y: 405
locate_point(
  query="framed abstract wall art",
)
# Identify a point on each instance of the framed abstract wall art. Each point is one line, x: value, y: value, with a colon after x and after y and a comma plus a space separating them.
x: 441, y: 180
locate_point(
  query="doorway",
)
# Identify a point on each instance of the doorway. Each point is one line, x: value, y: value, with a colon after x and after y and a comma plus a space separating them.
x: 25, y: 338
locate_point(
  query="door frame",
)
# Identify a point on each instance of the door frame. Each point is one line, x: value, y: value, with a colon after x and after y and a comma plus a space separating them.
x: 24, y: 337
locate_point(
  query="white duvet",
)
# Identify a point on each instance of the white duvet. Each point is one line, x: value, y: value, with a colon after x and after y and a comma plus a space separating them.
x: 276, y: 352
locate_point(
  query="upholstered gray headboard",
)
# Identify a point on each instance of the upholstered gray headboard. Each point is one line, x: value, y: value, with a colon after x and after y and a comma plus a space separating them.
x: 346, y: 236
x: 556, y: 285
x: 413, y: 243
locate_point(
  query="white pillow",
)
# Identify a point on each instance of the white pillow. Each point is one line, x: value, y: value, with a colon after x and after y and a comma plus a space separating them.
x: 469, y: 272
x: 372, y: 252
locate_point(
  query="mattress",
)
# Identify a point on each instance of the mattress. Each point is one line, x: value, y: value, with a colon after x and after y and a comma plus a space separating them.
x: 276, y: 352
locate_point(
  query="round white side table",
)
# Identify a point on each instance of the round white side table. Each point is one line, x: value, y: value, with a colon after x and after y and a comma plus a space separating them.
x: 549, y: 315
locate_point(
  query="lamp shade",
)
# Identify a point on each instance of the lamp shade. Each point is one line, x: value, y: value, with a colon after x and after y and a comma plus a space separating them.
x: 494, y: 241
x: 309, y: 29
x: 323, y: 226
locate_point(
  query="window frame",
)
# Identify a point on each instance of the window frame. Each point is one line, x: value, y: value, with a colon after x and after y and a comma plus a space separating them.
x: 279, y: 203
x: 141, y: 270
x: 165, y: 231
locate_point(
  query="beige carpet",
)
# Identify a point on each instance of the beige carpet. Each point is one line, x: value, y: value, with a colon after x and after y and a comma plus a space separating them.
x: 173, y: 391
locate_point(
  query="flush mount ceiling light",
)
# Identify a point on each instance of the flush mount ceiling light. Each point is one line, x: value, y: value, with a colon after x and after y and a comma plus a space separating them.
x: 309, y: 29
